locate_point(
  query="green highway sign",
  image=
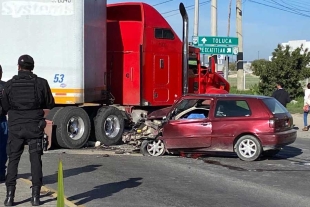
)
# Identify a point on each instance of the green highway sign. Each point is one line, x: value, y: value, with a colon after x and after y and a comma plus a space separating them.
x: 213, y: 40
x: 219, y: 50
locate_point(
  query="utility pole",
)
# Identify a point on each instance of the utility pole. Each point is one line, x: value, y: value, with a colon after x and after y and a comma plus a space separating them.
x: 229, y: 14
x: 257, y: 55
x: 196, y: 18
x: 214, y: 21
x: 240, y: 72
x: 196, y: 23
x: 228, y: 34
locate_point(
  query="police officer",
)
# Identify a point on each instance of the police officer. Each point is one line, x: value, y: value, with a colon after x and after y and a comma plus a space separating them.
x: 24, y: 98
x: 3, y: 134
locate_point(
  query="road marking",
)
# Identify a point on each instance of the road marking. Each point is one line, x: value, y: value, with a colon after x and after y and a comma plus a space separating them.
x: 54, y: 193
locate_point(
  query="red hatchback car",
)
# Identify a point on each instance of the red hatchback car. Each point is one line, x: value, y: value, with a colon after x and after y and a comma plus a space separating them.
x: 246, y: 124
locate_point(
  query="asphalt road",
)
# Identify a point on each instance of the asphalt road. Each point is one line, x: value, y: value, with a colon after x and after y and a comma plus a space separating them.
x: 215, y: 180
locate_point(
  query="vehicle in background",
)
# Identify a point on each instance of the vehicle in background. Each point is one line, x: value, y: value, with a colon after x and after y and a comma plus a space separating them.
x: 248, y: 125
x: 108, y: 65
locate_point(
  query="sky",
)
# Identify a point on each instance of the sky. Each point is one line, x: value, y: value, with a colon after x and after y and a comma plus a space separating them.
x: 263, y: 26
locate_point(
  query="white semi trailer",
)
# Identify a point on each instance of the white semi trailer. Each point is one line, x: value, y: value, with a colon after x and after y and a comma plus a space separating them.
x: 67, y: 39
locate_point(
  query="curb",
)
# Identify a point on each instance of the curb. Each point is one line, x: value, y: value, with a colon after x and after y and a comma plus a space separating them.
x: 54, y: 193
x: 91, y: 152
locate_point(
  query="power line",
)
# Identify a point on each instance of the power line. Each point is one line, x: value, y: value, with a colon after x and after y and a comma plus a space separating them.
x: 164, y: 2
x: 297, y: 3
x: 270, y: 6
x: 200, y: 4
x: 185, y: 7
x: 291, y: 8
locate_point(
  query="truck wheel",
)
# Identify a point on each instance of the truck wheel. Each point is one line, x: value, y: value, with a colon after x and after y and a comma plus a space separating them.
x: 73, y: 127
x: 109, y: 125
x: 153, y: 148
x: 52, y: 113
x: 248, y: 148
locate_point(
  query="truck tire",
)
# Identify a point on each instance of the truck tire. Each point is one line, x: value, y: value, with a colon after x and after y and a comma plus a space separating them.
x: 73, y: 127
x: 52, y: 113
x: 109, y: 125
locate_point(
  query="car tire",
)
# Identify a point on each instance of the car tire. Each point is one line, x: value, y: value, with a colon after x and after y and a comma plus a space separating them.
x: 116, y: 118
x: 72, y: 118
x: 146, y: 145
x: 248, y: 148
x: 271, y: 153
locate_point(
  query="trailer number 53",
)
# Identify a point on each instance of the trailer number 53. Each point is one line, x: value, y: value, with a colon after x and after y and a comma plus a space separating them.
x: 59, y: 78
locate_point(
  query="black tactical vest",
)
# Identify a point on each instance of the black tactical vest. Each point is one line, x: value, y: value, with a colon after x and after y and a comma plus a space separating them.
x: 24, y: 93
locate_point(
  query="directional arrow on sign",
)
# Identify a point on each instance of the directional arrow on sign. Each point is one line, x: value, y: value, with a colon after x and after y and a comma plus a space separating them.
x: 204, y: 40
x: 228, y: 50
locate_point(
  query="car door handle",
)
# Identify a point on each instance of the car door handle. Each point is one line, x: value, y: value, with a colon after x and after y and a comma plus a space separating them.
x: 206, y: 124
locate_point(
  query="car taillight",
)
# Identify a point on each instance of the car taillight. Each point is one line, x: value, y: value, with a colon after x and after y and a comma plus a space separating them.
x: 272, y: 123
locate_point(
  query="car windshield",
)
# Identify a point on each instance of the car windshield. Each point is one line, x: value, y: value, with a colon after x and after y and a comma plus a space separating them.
x: 275, y: 106
x: 186, y: 104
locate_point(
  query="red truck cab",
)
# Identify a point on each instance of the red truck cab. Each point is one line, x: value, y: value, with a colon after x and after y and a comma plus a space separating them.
x: 144, y: 57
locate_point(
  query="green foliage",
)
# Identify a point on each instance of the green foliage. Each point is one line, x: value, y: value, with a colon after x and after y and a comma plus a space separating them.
x: 234, y: 90
x: 60, y: 194
x: 255, y: 90
x: 232, y: 66
x: 286, y: 66
x: 297, y: 107
x: 259, y: 66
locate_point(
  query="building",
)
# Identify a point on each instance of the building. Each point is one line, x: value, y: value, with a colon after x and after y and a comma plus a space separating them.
x: 294, y: 44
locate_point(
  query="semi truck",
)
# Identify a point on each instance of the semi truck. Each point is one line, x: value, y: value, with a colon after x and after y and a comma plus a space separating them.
x: 108, y: 65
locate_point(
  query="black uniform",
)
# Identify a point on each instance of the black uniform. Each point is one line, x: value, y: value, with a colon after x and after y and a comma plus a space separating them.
x: 24, y: 98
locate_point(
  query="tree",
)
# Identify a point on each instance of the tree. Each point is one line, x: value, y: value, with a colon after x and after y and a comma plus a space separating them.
x: 232, y: 66
x: 288, y: 66
x: 259, y: 66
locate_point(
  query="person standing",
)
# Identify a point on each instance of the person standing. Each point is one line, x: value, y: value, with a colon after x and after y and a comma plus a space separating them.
x: 24, y: 98
x: 306, y: 107
x: 281, y: 94
x: 3, y: 134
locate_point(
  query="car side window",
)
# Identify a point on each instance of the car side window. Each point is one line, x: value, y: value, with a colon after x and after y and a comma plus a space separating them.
x: 192, y: 109
x: 196, y: 114
x: 232, y: 108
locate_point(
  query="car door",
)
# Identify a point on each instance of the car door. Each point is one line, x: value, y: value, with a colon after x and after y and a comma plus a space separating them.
x: 187, y: 133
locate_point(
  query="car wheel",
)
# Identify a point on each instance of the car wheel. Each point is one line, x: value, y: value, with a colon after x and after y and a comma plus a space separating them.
x: 153, y: 148
x: 248, y: 148
x: 271, y: 153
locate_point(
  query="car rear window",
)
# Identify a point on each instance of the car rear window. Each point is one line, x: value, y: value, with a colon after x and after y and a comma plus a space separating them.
x: 275, y: 106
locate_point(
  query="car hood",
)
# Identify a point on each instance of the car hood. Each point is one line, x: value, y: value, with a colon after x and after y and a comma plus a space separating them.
x: 158, y: 114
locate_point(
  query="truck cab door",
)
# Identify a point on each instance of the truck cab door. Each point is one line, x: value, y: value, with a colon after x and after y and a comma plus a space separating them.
x: 161, y: 78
